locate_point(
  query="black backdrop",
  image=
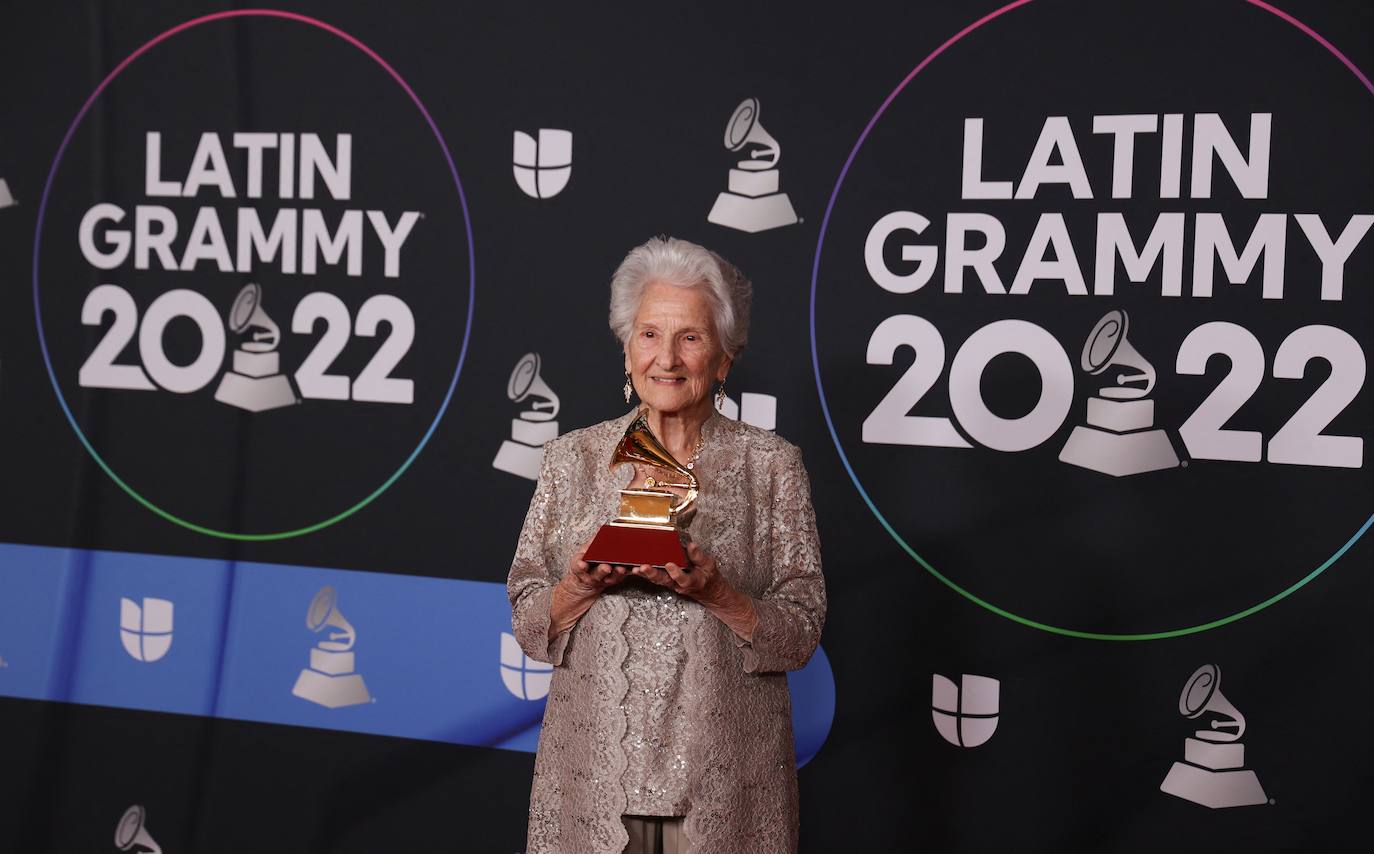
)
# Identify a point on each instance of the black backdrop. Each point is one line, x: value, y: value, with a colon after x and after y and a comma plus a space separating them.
x: 1087, y: 728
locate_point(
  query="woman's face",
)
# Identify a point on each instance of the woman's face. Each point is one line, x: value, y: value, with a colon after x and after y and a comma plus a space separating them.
x: 673, y: 354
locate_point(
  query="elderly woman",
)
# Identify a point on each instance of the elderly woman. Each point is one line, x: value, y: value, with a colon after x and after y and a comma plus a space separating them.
x: 668, y: 725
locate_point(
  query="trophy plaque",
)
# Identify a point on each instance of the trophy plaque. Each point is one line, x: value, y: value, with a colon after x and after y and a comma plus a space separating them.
x: 648, y: 529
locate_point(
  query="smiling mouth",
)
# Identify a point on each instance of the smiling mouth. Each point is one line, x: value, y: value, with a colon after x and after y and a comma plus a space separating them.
x: 669, y: 380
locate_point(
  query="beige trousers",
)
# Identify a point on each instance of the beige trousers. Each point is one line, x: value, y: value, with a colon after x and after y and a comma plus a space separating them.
x: 652, y: 834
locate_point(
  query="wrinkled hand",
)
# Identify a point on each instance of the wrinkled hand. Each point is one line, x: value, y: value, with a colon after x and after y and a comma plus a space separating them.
x: 585, y: 581
x: 701, y: 580
x: 579, y: 587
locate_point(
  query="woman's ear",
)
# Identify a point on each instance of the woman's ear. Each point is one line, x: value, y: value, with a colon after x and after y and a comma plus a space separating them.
x: 724, y: 370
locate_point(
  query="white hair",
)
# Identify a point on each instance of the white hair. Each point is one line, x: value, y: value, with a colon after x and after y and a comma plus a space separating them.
x: 685, y: 265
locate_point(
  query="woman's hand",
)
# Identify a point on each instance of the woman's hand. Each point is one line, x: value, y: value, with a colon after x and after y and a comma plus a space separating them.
x: 586, y: 581
x: 703, y: 582
x: 578, y: 589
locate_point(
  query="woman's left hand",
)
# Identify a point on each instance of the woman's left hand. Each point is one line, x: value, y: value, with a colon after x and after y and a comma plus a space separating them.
x: 703, y: 582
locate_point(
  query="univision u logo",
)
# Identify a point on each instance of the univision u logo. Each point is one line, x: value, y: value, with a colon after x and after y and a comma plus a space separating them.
x: 524, y: 677
x: 146, y: 631
x: 544, y: 165
x: 965, y: 714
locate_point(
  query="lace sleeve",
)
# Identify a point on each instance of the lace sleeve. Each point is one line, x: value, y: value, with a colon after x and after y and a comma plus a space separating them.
x: 791, y: 610
x: 533, y: 572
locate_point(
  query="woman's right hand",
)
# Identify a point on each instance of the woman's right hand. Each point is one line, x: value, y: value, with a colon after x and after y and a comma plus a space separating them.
x: 587, y: 581
x: 578, y: 590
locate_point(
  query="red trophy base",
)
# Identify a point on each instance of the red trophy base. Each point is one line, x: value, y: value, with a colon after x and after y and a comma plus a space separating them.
x: 624, y: 544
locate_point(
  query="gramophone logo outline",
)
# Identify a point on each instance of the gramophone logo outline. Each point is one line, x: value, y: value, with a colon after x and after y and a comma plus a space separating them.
x: 522, y: 453
x: 543, y: 167
x: 965, y: 714
x: 331, y: 680
x: 753, y: 201
x: 146, y: 630
x: 131, y: 833
x: 1120, y: 437
x: 255, y: 381
x: 1212, y: 772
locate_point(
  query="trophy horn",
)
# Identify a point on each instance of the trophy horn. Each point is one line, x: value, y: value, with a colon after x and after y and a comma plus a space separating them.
x: 640, y: 445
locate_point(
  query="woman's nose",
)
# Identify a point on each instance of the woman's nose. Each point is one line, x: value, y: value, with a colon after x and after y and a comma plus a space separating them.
x: 667, y: 355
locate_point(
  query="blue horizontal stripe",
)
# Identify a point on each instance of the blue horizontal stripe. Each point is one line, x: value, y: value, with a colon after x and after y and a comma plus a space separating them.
x: 426, y: 664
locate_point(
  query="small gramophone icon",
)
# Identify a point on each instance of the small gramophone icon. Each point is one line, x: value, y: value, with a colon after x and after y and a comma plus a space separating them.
x: 1118, y: 438
x: 331, y: 679
x: 1213, y: 771
x: 752, y: 202
x: 522, y: 453
x: 131, y: 834
x: 255, y: 382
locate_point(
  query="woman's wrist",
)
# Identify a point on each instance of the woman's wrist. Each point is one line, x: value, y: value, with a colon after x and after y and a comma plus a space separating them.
x: 736, y: 610
x: 568, y: 603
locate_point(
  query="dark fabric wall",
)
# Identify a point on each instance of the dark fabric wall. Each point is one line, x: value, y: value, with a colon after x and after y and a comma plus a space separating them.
x: 986, y: 508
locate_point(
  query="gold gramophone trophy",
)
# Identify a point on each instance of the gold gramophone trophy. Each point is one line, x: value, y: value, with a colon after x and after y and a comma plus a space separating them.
x: 649, y: 527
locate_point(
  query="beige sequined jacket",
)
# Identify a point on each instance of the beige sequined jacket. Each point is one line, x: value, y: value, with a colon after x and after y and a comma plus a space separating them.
x: 754, y: 515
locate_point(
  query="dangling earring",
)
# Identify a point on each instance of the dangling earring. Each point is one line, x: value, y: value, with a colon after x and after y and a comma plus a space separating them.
x: 629, y: 387
x: 720, y: 395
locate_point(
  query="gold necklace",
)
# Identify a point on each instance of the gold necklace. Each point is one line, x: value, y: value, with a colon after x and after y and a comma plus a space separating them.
x: 650, y: 482
x: 696, y: 452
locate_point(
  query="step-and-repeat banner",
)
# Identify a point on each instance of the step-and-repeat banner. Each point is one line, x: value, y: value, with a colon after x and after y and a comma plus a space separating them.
x: 1067, y: 304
